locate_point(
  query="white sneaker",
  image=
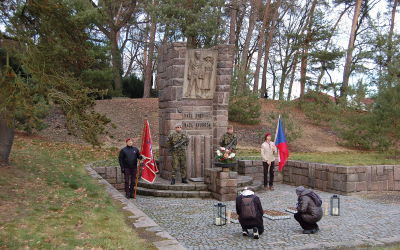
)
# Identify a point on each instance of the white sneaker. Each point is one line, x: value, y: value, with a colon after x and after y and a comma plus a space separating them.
x: 255, y: 233
x: 245, y: 233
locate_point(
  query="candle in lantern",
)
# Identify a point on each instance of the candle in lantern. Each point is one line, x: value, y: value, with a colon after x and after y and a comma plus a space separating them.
x: 217, y: 221
x: 326, y: 208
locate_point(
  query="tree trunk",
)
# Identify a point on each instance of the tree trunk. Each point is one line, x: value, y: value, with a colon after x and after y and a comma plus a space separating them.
x: 149, y: 66
x: 327, y: 45
x: 6, y: 140
x: 116, y: 60
x: 232, y: 27
x: 267, y: 47
x: 292, y: 78
x: 260, y: 47
x: 253, y: 16
x: 304, y: 58
x: 346, y: 73
x: 146, y: 37
x: 390, y: 39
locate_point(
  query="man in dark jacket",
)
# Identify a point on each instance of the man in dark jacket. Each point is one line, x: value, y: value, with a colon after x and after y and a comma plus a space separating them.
x: 128, y: 161
x: 257, y: 223
x: 309, y: 210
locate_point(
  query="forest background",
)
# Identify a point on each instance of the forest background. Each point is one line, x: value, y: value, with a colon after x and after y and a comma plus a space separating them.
x: 68, y: 53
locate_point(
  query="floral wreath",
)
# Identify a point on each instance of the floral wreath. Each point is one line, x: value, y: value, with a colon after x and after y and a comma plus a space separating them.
x: 225, y: 157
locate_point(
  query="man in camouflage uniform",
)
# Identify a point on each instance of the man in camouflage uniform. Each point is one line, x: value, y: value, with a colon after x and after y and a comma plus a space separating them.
x: 178, y: 153
x: 226, y: 139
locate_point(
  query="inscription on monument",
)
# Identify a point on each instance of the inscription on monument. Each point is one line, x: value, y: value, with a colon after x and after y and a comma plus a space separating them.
x: 196, y: 116
x: 188, y: 125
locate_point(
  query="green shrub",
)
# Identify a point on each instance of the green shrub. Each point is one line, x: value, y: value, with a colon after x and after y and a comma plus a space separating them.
x: 244, y: 106
x: 290, y: 124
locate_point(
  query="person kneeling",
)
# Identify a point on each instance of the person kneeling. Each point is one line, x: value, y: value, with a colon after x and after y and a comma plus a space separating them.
x: 309, y: 210
x: 250, y: 211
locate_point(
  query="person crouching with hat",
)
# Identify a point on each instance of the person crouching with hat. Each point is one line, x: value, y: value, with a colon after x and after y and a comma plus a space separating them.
x: 268, y: 149
x: 309, y: 210
x: 250, y: 211
x: 128, y: 161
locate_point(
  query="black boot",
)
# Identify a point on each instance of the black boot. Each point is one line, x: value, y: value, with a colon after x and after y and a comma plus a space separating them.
x: 184, y: 180
x: 127, y: 195
x: 172, y: 181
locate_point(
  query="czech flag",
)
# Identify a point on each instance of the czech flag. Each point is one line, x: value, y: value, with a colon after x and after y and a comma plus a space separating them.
x: 280, y: 143
x: 149, y: 165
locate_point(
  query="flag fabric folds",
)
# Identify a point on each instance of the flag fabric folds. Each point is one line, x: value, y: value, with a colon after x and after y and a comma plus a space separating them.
x: 280, y: 143
x: 149, y: 165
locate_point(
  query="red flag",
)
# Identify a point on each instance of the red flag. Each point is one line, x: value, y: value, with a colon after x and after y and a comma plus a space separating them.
x: 280, y: 143
x: 149, y: 165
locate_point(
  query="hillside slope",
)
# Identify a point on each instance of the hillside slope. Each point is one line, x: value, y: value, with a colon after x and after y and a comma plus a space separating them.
x: 129, y: 114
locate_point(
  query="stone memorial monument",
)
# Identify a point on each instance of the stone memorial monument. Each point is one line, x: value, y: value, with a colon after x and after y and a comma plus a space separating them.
x: 193, y: 87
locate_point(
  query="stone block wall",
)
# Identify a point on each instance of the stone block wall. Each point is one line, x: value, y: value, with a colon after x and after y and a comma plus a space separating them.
x: 254, y: 168
x: 342, y: 179
x: 204, y: 120
x: 223, y: 185
x: 112, y: 175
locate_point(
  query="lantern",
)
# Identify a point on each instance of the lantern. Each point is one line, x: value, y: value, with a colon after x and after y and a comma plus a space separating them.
x: 219, y: 214
x: 335, y: 205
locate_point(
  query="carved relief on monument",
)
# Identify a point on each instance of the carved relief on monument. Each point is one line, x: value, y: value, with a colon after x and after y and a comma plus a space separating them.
x: 200, y: 72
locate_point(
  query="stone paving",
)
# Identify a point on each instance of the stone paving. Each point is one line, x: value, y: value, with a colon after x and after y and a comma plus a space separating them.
x: 361, y: 223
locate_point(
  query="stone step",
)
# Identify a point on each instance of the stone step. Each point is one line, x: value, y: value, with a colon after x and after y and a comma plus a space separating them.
x: 173, y: 193
x: 163, y: 188
x: 244, y: 181
x: 162, y: 184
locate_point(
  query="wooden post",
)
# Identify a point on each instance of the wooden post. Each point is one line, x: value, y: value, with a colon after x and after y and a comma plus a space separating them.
x: 141, y: 148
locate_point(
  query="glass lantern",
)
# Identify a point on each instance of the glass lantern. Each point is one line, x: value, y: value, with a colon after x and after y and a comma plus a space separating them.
x: 335, y: 205
x: 219, y: 214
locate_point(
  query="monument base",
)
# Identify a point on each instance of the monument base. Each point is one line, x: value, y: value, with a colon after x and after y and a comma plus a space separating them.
x: 222, y: 184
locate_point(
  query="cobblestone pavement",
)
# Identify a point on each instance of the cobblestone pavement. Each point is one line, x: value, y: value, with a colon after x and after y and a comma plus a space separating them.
x: 361, y: 223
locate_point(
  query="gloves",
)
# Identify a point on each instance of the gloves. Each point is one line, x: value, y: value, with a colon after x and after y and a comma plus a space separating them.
x: 123, y: 170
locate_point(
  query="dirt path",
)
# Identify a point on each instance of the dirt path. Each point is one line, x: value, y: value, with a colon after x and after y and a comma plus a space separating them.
x: 128, y: 115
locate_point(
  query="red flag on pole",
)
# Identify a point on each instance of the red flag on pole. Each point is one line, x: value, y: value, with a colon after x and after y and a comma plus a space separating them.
x: 149, y: 165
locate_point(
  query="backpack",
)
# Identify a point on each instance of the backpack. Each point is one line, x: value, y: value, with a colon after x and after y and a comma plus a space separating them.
x: 248, y: 208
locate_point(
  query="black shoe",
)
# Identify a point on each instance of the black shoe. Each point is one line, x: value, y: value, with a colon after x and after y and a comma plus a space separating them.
x: 245, y: 233
x: 184, y: 180
x: 255, y: 233
x: 127, y: 195
x: 173, y: 181
x: 131, y: 196
x: 315, y: 230
x: 307, y: 232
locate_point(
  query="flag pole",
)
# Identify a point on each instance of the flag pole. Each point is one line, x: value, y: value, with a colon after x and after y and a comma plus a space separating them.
x: 276, y: 133
x: 141, y: 148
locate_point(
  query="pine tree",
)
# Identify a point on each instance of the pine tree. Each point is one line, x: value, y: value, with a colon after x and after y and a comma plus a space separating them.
x: 45, y: 39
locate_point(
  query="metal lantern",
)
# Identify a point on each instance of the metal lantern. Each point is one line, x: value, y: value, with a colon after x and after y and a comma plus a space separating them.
x: 219, y: 214
x: 335, y: 205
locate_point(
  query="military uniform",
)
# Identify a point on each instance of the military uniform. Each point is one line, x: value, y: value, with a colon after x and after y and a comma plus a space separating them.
x: 226, y: 139
x: 179, y: 153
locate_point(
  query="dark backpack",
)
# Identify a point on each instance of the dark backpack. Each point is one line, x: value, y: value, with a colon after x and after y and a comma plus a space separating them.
x: 248, y: 208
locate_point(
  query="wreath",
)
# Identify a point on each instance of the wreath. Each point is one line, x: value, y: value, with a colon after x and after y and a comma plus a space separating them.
x: 225, y: 157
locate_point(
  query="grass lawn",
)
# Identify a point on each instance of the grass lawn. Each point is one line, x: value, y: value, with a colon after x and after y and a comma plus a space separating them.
x: 351, y: 158
x: 47, y: 201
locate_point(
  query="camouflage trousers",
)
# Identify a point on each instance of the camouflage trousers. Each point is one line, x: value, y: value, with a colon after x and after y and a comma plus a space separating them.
x: 178, y: 161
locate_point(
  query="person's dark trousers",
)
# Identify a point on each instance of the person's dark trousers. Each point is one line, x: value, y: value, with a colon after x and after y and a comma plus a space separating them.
x: 271, y: 173
x: 304, y: 224
x: 259, y: 226
x: 130, y: 178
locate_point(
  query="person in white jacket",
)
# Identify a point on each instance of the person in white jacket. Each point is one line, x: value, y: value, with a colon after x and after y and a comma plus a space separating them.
x: 268, y: 149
